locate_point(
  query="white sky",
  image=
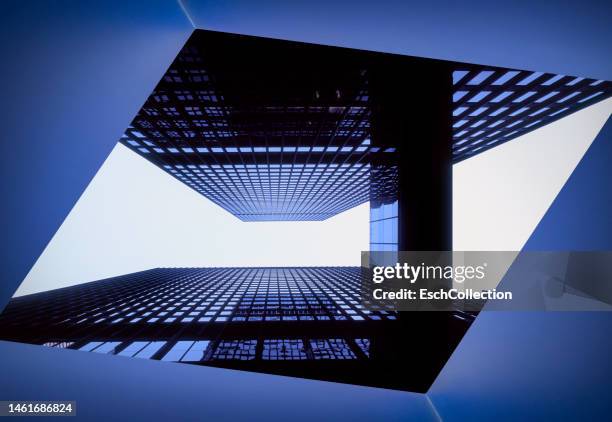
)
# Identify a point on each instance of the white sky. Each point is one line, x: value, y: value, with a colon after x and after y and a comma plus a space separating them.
x: 134, y: 216
x: 501, y: 195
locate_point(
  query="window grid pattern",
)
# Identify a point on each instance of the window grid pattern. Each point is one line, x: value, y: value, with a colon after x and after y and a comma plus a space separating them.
x: 202, y: 295
x: 187, y: 351
x: 284, y: 349
x: 333, y: 348
x: 202, y: 351
x: 493, y: 106
x: 141, y: 349
x: 59, y: 344
x: 262, y: 192
x: 260, y: 161
x: 270, y: 145
x: 364, y: 345
x: 384, y: 212
x: 384, y: 227
x: 236, y: 350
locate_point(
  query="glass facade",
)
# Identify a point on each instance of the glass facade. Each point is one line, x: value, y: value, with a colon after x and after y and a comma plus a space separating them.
x: 272, y: 192
x: 192, y: 296
x: 261, y: 152
x: 286, y: 320
x: 493, y: 106
x: 273, y: 130
x: 384, y: 207
x: 384, y: 227
x: 293, y: 139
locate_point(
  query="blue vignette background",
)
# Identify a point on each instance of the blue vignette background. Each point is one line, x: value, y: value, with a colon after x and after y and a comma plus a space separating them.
x: 75, y: 72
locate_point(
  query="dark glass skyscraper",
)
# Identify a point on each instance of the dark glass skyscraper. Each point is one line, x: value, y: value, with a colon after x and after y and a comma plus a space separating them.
x: 273, y: 130
x: 307, y: 322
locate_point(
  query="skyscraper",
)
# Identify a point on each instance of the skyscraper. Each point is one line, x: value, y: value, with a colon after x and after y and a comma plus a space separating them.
x: 308, y: 322
x: 272, y: 130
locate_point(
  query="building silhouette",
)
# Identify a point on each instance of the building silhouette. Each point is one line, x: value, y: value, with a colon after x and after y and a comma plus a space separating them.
x: 308, y: 322
x: 272, y: 130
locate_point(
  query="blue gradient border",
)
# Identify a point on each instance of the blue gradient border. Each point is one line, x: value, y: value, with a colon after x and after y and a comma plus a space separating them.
x: 69, y: 66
